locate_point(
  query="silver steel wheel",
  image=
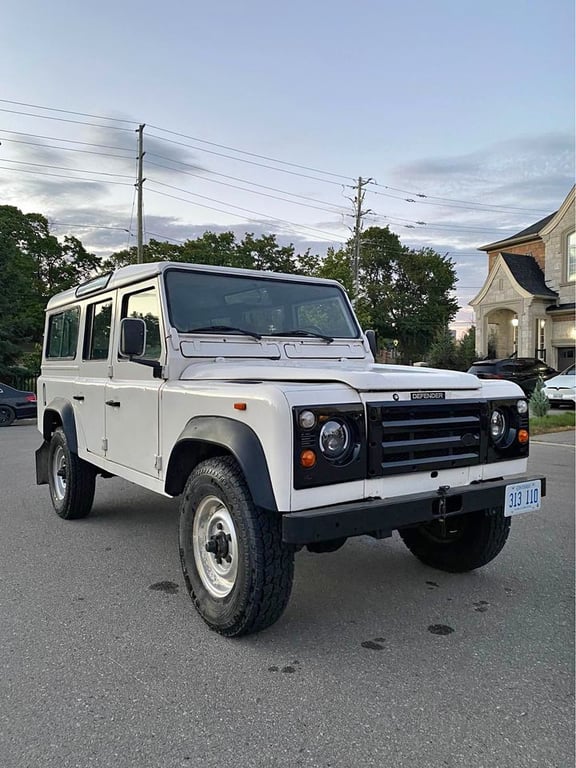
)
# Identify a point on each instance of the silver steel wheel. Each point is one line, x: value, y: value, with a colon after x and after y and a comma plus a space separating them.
x: 215, y: 546
x: 59, y: 473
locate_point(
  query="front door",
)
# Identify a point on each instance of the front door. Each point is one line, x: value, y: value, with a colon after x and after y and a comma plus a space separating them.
x: 132, y: 393
x: 565, y: 357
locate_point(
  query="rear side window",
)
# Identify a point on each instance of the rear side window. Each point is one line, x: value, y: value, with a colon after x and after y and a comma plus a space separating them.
x: 97, y: 336
x: 62, y: 338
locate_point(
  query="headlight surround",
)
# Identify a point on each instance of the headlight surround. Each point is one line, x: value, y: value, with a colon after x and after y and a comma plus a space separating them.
x: 335, y: 439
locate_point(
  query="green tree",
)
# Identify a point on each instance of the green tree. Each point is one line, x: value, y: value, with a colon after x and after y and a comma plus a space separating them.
x: 539, y: 403
x: 34, y: 265
x: 467, y: 349
x: 405, y: 293
x: 444, y: 352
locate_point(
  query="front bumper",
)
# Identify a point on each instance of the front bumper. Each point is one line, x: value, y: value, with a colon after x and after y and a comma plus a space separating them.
x: 379, y: 517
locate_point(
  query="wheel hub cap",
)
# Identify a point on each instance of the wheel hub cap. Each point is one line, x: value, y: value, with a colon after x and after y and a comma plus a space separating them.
x: 215, y: 546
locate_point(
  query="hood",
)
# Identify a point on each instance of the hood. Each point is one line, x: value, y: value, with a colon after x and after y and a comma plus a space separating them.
x: 364, y: 378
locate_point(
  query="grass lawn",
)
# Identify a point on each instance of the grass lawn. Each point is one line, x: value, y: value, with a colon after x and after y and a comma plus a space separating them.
x: 557, y: 421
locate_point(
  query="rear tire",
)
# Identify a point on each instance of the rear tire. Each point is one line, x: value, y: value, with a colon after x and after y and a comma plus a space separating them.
x: 241, y: 584
x: 465, y: 543
x: 72, y: 481
x: 7, y: 415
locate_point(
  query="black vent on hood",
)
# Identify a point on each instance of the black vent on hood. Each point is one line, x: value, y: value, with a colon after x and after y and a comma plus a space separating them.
x: 425, y: 436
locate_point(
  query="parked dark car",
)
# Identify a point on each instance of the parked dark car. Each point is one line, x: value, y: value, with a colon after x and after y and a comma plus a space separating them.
x: 16, y: 404
x: 524, y: 371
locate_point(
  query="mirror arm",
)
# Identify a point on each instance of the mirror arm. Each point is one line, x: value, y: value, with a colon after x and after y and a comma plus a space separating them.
x: 154, y: 364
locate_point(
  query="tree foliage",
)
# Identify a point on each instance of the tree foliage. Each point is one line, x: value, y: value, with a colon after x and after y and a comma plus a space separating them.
x: 404, y: 294
x: 34, y: 265
x: 223, y: 250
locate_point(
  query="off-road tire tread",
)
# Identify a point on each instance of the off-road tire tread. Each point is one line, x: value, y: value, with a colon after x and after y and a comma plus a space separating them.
x: 80, y: 482
x: 485, y: 537
x: 273, y: 561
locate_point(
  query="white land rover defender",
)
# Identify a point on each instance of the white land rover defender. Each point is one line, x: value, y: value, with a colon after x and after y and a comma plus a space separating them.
x: 255, y: 396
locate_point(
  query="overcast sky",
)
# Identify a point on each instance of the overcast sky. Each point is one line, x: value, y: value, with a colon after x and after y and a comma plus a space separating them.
x: 259, y: 118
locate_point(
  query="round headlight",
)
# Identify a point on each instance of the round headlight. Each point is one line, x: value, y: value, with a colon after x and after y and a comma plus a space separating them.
x: 497, y: 425
x: 334, y: 439
x: 522, y: 406
x: 306, y: 419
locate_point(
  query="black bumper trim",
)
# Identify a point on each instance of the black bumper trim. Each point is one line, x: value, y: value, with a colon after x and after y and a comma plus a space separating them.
x: 382, y: 516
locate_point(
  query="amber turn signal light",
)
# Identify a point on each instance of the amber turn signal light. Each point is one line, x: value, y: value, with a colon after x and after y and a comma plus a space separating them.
x: 308, y: 458
x: 523, y: 435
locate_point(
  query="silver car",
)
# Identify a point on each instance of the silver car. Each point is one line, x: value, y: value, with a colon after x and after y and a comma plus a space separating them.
x: 561, y: 390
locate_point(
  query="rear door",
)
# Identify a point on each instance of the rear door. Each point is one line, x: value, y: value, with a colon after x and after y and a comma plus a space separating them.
x: 90, y: 387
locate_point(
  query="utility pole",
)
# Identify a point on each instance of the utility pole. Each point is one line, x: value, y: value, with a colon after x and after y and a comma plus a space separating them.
x: 358, y: 201
x: 139, y: 187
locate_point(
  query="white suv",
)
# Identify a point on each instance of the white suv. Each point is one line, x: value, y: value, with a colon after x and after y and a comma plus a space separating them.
x: 255, y: 396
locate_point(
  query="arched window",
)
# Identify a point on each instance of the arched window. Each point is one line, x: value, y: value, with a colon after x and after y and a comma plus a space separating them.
x: 571, y: 257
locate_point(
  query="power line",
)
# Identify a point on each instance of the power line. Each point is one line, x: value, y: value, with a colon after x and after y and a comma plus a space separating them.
x: 62, y: 176
x: 65, y: 149
x: 267, y: 218
x: 64, y: 168
x: 66, y: 120
x: 251, y: 191
x: 236, y: 178
x: 424, y: 198
x: 66, y: 111
x: 461, y: 203
x: 251, y: 154
x: 68, y: 141
x: 242, y: 160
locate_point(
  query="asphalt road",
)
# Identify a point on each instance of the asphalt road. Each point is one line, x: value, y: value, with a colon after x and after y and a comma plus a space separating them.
x: 104, y: 662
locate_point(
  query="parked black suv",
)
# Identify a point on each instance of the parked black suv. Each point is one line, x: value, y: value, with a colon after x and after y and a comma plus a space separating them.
x: 524, y: 371
x: 16, y: 404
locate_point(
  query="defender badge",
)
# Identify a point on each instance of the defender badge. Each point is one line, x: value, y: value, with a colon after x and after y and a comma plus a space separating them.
x: 427, y: 395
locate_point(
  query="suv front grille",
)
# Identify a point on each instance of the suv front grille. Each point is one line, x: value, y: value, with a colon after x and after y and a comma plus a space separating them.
x: 424, y: 436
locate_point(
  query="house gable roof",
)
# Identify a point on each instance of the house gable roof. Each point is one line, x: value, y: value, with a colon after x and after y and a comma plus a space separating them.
x: 528, y: 274
x: 530, y: 233
x: 524, y: 274
x: 560, y: 213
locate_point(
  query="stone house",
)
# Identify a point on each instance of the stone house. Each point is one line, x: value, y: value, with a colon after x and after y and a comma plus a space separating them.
x: 526, y: 307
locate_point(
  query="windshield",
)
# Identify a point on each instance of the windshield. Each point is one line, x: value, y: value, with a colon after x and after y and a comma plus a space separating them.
x: 257, y: 305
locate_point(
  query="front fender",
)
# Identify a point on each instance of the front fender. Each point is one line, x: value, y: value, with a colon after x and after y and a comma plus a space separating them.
x: 235, y: 438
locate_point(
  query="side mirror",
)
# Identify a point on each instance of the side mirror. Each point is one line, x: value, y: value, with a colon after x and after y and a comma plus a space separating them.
x: 372, y: 343
x: 132, y: 337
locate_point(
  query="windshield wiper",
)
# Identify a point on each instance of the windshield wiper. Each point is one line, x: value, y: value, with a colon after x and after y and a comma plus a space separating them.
x: 302, y: 332
x: 224, y: 329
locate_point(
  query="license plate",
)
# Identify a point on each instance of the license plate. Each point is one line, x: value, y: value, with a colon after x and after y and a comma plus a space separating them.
x: 522, y: 497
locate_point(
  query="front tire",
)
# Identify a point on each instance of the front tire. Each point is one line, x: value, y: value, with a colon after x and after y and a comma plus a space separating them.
x: 463, y: 543
x: 71, y: 480
x: 236, y: 567
x: 7, y: 415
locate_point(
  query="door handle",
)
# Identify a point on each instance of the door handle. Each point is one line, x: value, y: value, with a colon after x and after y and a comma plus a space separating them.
x: 113, y: 403
x: 80, y: 398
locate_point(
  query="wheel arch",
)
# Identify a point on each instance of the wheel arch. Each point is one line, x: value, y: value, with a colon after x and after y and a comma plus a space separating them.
x: 206, y: 437
x: 59, y: 413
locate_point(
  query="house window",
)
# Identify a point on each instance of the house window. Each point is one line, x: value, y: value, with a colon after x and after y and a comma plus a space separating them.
x: 571, y: 257
x: 541, y: 339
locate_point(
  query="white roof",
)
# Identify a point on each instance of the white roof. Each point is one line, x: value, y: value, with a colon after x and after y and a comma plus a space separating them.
x: 136, y: 273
